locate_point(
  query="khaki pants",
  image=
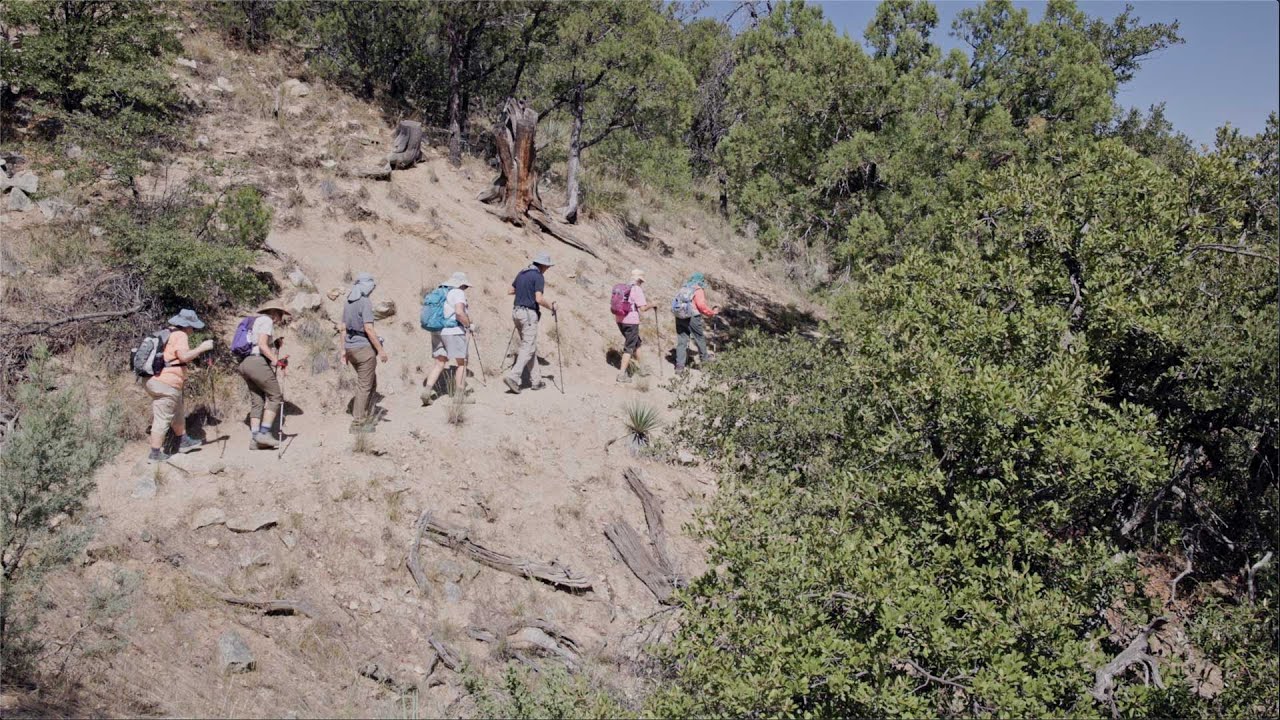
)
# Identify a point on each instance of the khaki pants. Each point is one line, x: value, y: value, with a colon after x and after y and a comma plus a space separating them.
x: 166, y: 409
x: 264, y: 386
x: 365, y: 362
x: 527, y: 324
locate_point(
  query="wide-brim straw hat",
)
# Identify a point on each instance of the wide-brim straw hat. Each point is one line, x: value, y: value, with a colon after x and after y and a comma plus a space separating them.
x: 637, y: 275
x: 273, y: 305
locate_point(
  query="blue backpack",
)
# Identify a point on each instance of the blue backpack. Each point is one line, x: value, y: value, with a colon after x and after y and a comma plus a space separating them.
x: 432, y: 318
x: 682, y: 304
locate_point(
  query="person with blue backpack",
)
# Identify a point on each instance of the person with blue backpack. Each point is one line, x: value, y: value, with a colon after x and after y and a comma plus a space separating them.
x: 689, y: 307
x: 444, y: 315
x: 256, y: 346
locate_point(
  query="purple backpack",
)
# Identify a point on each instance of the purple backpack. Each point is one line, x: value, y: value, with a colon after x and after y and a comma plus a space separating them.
x: 620, y: 300
x: 242, y: 343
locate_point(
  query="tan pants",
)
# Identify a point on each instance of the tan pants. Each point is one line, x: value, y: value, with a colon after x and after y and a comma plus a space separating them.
x: 365, y: 362
x: 264, y: 386
x: 527, y: 323
x: 166, y: 409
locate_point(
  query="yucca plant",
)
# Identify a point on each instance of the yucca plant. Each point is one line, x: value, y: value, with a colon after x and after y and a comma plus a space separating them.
x: 641, y: 420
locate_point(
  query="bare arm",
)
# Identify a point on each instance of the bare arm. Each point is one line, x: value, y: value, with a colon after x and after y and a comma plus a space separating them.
x: 537, y: 297
x: 374, y: 341
x: 463, y: 318
x: 186, y: 356
x: 266, y: 345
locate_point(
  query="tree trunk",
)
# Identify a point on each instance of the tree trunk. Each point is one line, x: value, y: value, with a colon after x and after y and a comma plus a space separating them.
x: 455, y: 101
x: 406, y: 145
x: 575, y: 159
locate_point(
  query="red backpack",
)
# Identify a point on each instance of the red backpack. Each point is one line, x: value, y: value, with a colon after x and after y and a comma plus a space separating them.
x: 620, y: 300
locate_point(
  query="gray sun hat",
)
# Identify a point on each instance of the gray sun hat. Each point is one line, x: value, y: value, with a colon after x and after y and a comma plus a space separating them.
x: 543, y: 258
x: 458, y: 279
x: 187, y: 318
x: 363, y: 285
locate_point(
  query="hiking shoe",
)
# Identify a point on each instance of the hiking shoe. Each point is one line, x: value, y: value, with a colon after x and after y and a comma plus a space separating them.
x: 512, y: 385
x: 264, y: 440
x: 157, y: 456
x: 188, y: 443
x: 624, y: 378
x: 541, y: 384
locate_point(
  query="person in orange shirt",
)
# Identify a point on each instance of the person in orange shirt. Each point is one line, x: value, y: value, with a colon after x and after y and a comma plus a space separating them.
x: 165, y: 388
x: 689, y: 308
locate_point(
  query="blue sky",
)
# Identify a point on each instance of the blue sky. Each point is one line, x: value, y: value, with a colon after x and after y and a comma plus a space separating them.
x: 1228, y: 70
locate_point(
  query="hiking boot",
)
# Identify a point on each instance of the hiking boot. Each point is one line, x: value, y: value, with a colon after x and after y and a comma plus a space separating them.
x: 681, y: 370
x: 624, y: 378
x: 264, y: 440
x: 188, y: 443
x: 157, y: 456
x: 541, y: 384
x: 640, y: 371
x: 512, y: 385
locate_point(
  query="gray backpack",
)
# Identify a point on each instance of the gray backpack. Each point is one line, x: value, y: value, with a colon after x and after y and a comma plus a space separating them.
x: 682, y: 304
x: 148, y: 357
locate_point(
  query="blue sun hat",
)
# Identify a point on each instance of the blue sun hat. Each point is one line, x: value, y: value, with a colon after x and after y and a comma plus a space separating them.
x: 697, y: 279
x: 187, y: 319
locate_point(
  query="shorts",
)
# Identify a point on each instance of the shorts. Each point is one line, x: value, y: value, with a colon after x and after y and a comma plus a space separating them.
x: 631, y: 338
x: 452, y: 347
x: 166, y: 404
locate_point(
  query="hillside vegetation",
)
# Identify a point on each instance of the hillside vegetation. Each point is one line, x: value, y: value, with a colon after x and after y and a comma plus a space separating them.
x: 1026, y: 467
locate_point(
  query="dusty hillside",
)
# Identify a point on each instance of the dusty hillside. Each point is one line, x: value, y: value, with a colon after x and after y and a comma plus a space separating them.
x: 529, y: 475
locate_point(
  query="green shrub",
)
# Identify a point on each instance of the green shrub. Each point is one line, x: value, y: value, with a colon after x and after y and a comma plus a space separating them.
x: 47, y: 463
x: 554, y: 694
x: 182, y: 255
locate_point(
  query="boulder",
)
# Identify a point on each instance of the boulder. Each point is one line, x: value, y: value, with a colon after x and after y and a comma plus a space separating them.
x: 384, y: 310
x: 296, y: 87
x: 234, y: 655
x: 18, y: 201
x: 53, y: 208
x: 205, y: 517
x: 74, y: 152
x: 684, y: 457
x: 26, y: 181
x: 299, y: 278
x: 145, y: 487
x: 187, y: 63
x: 252, y: 523
x: 303, y: 302
x: 224, y: 85
x: 335, y: 293
x: 202, y: 142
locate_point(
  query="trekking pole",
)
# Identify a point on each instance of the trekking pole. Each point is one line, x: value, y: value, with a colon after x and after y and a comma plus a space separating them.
x: 476, y: 343
x: 658, y: 326
x: 559, y: 354
x: 284, y: 371
x: 507, y: 352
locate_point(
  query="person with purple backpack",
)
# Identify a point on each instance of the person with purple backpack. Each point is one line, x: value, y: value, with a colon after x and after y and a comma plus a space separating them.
x: 258, y: 348
x: 627, y: 302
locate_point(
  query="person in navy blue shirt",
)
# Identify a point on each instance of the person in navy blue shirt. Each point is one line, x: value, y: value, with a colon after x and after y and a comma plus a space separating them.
x: 527, y: 311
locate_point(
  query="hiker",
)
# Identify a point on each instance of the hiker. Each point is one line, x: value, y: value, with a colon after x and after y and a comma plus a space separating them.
x: 528, y: 287
x: 165, y: 387
x: 256, y: 343
x: 689, y: 307
x: 449, y: 342
x: 627, y: 303
x: 363, y: 349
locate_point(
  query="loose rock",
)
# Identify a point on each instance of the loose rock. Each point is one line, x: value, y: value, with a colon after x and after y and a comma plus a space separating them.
x: 53, y: 208
x: 296, y: 87
x: 299, y: 278
x: 26, y: 181
x: 75, y: 152
x: 234, y: 655
x: 684, y: 457
x: 202, y: 142
x: 145, y: 489
x: 334, y: 293
x: 217, y: 468
x: 384, y: 310
x: 205, y: 517
x: 187, y: 63
x: 308, y: 301
x: 255, y: 522
x: 18, y: 201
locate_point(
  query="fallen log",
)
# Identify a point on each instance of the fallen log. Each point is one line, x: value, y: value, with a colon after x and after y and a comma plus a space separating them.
x: 273, y: 607
x: 447, y: 655
x: 406, y: 145
x: 641, y: 562
x: 652, y: 517
x: 552, y: 573
x: 1104, y: 686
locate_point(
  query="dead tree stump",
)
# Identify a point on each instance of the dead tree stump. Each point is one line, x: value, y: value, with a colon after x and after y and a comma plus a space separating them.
x: 515, y: 189
x: 406, y: 145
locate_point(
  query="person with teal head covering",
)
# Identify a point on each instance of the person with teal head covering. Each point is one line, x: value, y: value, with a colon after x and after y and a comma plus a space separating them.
x: 690, y: 307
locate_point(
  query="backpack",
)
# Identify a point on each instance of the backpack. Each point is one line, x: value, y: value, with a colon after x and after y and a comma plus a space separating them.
x: 148, y: 356
x: 432, y: 318
x: 242, y: 342
x: 620, y: 300
x: 682, y: 304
